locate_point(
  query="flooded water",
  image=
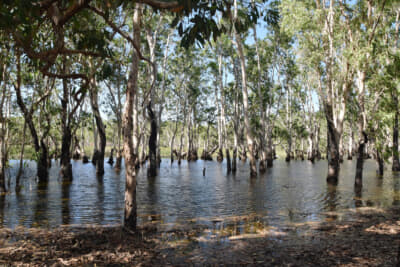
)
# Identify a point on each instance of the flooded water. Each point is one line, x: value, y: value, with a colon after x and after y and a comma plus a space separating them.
x: 289, y: 192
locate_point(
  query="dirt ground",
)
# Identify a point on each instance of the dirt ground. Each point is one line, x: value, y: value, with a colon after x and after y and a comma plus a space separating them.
x: 370, y: 237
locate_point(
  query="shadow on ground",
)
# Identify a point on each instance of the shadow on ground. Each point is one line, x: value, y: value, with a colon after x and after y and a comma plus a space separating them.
x: 370, y: 238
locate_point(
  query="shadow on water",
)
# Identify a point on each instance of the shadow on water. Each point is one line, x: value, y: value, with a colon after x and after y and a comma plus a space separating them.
x: 66, y: 214
x: 396, y: 189
x: 2, y: 207
x: 41, y: 205
x: 358, y: 191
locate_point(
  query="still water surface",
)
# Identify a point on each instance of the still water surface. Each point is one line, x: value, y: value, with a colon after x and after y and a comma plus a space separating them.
x: 289, y: 192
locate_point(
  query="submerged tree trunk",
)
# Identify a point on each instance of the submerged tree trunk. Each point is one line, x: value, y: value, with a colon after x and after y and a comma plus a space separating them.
x: 99, y: 125
x: 39, y: 145
x: 363, y: 138
x: 249, y: 135
x: 65, y: 158
x: 21, y: 160
x: 3, y: 121
x: 152, y: 170
x: 333, y: 155
x: 95, y: 155
x: 350, y: 148
x: 270, y: 152
x: 228, y: 161
x: 154, y: 128
x: 234, y: 158
x: 2, y: 164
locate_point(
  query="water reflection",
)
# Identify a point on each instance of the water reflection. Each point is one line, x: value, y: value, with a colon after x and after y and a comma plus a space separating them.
x: 396, y: 189
x: 358, y: 196
x: 66, y: 219
x: 41, y: 205
x: 2, y: 207
x: 295, y: 192
x: 331, y: 199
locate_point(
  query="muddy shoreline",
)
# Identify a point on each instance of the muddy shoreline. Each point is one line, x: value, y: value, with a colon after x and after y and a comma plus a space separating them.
x: 369, y: 238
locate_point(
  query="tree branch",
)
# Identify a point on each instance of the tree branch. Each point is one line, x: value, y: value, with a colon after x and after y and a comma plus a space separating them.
x: 161, y: 4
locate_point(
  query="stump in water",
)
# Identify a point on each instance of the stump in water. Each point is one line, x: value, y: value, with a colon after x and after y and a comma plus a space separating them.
x: 111, y: 158
x: 204, y: 171
x: 243, y: 156
x: 206, y: 156
x: 234, y: 156
x: 144, y: 159
x: 228, y: 161
x: 76, y: 155
x: 192, y: 156
x: 220, y: 156
x: 85, y: 159
x: 95, y: 157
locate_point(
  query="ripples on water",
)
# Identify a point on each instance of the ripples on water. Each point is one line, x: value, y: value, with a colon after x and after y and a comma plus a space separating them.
x: 289, y: 192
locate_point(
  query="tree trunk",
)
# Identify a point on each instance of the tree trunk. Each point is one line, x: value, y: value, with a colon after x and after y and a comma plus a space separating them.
x: 161, y: 104
x: 99, y: 125
x: 65, y: 159
x: 363, y: 138
x: 249, y: 135
x: 380, y: 162
x: 270, y: 152
x: 130, y: 216
x: 2, y: 165
x: 152, y: 170
x: 350, y: 148
x: 395, y: 152
x: 228, y: 161
x: 180, y: 148
x: 333, y: 152
x: 262, y: 149
x: 21, y: 160
x: 77, y: 149
x: 40, y: 147
x: 95, y: 155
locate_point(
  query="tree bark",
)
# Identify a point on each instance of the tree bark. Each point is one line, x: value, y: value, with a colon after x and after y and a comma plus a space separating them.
x: 333, y: 155
x: 21, y: 160
x: 65, y: 158
x: 130, y: 212
x: 152, y: 170
x: 2, y: 163
x: 99, y: 125
x: 39, y: 144
x: 152, y: 40
x: 395, y: 152
x: 363, y: 138
x: 350, y: 148
x: 249, y: 135
x: 228, y: 161
x: 395, y: 96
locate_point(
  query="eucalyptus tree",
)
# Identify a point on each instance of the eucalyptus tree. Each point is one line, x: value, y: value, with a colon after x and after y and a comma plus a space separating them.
x: 40, y: 91
x: 5, y: 102
x: 69, y: 34
x: 94, y: 101
x: 238, y: 42
x: 66, y: 35
x: 322, y: 36
x: 115, y: 84
x: 394, y: 71
x: 363, y: 27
